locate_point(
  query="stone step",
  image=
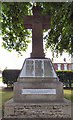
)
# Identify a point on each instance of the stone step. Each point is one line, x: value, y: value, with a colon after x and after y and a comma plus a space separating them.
x: 37, y: 119
x: 46, y: 111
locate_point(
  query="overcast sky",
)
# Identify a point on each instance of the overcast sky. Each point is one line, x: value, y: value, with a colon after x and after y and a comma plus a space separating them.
x: 12, y: 61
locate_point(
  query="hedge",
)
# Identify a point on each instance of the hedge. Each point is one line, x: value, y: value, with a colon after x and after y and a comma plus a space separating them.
x: 66, y: 77
x: 10, y: 76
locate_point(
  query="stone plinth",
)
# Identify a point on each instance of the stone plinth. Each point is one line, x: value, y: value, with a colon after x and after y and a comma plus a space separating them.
x: 38, y: 93
x: 38, y: 110
x: 38, y: 82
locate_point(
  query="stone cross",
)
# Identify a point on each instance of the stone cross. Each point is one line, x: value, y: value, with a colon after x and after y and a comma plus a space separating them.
x: 37, y: 23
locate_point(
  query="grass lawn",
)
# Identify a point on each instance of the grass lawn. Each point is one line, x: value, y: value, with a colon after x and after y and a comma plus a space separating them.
x: 68, y: 94
x: 0, y: 79
x: 5, y: 95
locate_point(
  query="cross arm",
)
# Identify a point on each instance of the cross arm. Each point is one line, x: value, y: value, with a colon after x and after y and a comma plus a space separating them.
x: 28, y: 20
x: 46, y: 22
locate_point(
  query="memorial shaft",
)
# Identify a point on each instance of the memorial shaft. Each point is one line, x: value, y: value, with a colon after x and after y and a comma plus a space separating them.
x: 37, y: 23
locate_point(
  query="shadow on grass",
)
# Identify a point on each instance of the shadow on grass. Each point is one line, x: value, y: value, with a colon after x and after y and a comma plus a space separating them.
x: 7, y: 89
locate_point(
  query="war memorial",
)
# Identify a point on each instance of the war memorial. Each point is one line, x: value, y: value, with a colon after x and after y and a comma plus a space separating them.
x: 38, y: 93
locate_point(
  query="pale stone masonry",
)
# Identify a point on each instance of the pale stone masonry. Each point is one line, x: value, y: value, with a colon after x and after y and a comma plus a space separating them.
x: 38, y: 76
x: 38, y: 110
x: 28, y: 103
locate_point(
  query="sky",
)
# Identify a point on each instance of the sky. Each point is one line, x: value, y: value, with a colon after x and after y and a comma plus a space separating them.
x: 11, y: 60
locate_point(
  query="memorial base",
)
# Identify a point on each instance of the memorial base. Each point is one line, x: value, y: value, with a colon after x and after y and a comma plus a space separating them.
x: 37, y: 110
x: 38, y: 94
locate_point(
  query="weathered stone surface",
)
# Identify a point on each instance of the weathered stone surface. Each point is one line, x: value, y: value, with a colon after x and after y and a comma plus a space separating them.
x: 38, y: 110
x: 36, y: 119
x: 34, y: 84
x: 38, y: 74
x: 37, y: 23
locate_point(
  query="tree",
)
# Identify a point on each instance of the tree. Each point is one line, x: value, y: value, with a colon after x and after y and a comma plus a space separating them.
x: 14, y: 35
x: 58, y: 38
x: 61, y: 34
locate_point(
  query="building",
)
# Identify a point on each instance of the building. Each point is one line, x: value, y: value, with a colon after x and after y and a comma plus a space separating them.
x: 64, y: 65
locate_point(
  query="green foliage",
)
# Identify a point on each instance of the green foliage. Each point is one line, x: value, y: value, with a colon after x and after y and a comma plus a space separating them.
x: 59, y: 37
x: 14, y: 35
x: 66, y: 77
x: 61, y: 34
x: 10, y: 76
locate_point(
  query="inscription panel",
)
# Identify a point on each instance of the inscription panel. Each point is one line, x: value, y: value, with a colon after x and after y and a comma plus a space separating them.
x: 48, y: 68
x: 38, y: 91
x: 30, y: 68
x: 38, y: 68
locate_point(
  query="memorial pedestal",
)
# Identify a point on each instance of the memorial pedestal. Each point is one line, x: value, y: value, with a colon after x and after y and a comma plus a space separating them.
x: 38, y: 82
x: 38, y: 93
